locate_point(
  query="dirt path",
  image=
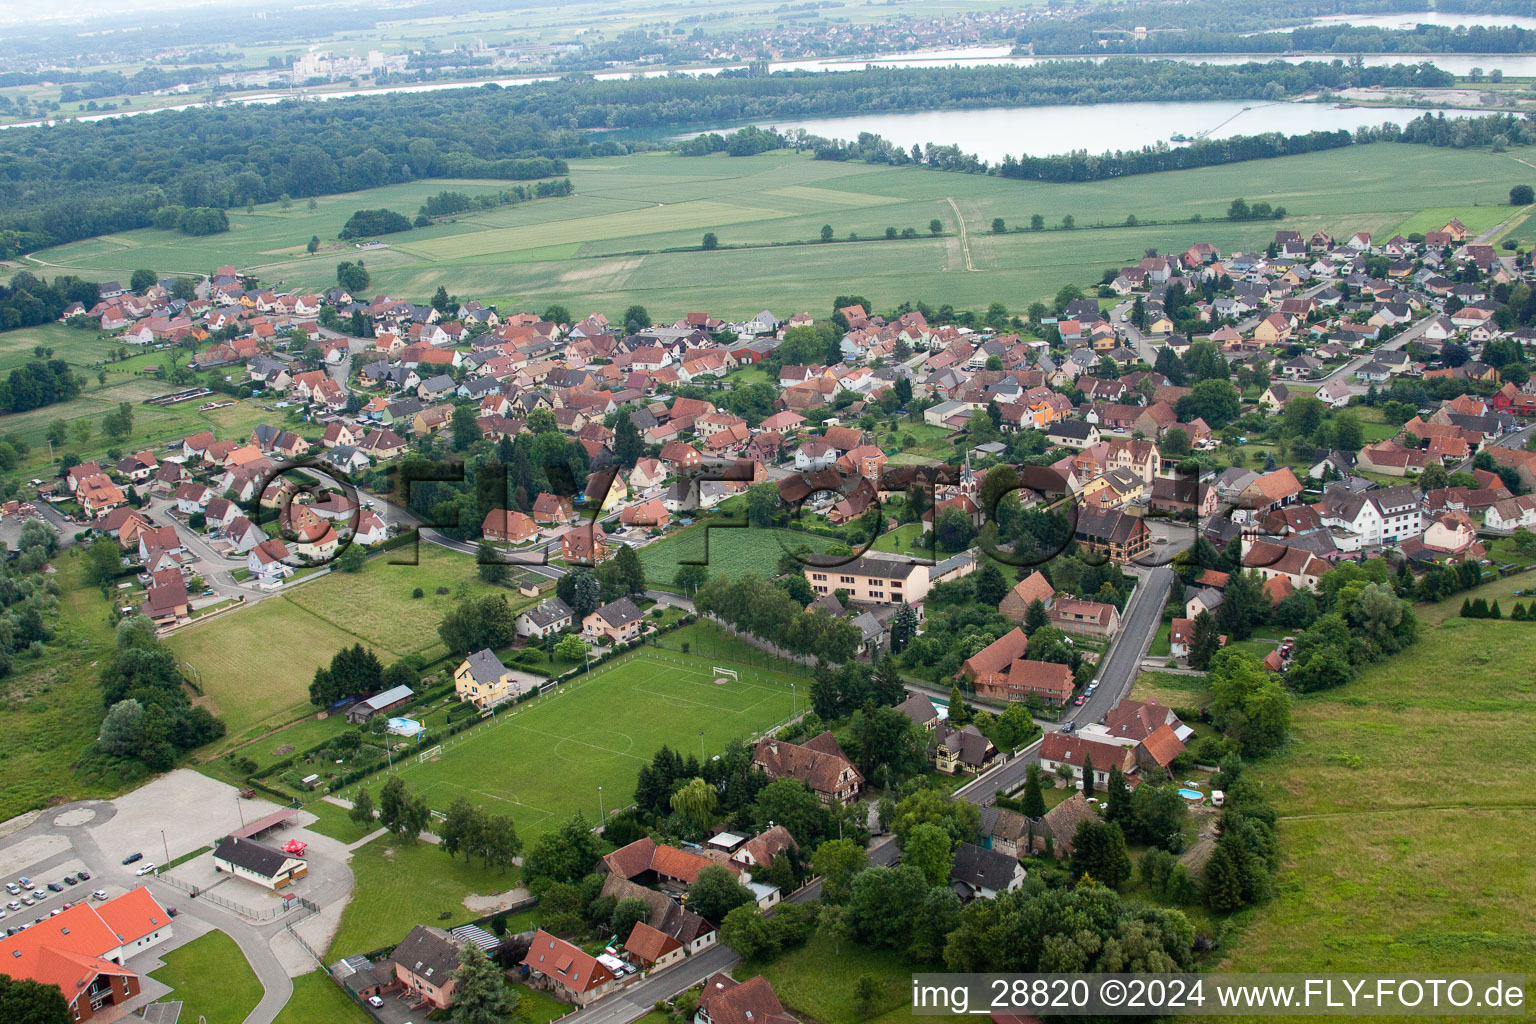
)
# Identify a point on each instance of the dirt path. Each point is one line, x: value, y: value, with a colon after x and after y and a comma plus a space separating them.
x: 965, y: 239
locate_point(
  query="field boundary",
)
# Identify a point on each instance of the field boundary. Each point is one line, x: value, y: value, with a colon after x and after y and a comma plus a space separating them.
x: 549, y: 743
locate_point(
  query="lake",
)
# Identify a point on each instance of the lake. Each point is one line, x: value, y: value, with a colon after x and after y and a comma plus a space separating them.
x: 1513, y: 65
x: 994, y: 132
x: 1448, y: 19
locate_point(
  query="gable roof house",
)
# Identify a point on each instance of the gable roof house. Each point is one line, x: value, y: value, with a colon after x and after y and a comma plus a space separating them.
x: 482, y: 680
x: 425, y: 962
x: 545, y: 618
x: 727, y: 1001
x: 820, y: 764
x: 568, y: 972
x: 1059, y: 748
x: 267, y: 866
x: 981, y: 874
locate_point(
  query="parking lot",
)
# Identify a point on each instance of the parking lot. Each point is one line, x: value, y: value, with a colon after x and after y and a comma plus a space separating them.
x: 172, y: 816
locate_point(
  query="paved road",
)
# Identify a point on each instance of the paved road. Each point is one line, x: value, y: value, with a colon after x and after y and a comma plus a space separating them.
x: 1116, y: 675
x: 640, y: 998
x: 1346, y: 373
x: 1117, y: 671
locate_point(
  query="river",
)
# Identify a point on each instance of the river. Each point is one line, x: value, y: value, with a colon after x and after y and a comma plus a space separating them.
x: 994, y: 132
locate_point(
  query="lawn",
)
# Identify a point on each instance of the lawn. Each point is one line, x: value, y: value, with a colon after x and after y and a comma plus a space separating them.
x: 254, y: 693
x: 332, y: 821
x: 608, y: 246
x: 817, y: 980
x: 707, y: 640
x: 904, y: 540
x: 734, y: 550
x: 53, y: 707
x: 1405, y: 814
x: 1519, y: 587
x: 376, y: 606
x: 242, y: 682
x: 544, y: 760
x: 398, y: 885
x: 211, y: 978
x: 317, y: 998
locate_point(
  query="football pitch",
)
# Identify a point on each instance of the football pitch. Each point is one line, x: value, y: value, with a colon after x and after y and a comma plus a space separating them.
x: 544, y: 760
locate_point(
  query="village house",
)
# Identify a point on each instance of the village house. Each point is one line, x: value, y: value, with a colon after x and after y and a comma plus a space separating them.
x: 482, y: 680
x: 543, y: 619
x: 424, y: 963
x: 567, y: 972
x: 1064, y: 750
x: 819, y: 763
x: 620, y: 621
x: 982, y: 874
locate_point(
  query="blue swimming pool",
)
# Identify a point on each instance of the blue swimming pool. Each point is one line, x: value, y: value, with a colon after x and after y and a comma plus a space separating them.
x: 1191, y: 794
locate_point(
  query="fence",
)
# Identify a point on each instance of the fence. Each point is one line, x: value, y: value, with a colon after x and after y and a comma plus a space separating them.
x: 555, y: 692
x: 265, y: 914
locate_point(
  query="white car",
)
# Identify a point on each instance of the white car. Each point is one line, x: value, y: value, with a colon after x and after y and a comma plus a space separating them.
x: 375, y: 1002
x: 99, y: 894
x: 12, y: 888
x: 145, y: 869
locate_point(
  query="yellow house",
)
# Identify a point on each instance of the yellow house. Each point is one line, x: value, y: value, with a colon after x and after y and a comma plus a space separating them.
x: 1160, y: 325
x: 482, y: 680
x: 618, y: 491
x: 1273, y: 329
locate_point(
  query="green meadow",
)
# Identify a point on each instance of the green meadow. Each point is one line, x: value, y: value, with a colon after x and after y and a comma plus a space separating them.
x: 632, y: 231
x: 1405, y: 813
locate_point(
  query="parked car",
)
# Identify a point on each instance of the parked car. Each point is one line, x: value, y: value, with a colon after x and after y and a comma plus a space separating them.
x: 39, y: 894
x: 145, y: 869
x: 27, y: 901
x: 172, y: 911
x: 1080, y: 701
x: 99, y: 894
x: 84, y: 876
x: 71, y: 880
x: 13, y: 905
x: 1069, y: 727
x: 12, y: 888
x: 55, y: 886
x: 130, y: 858
x: 375, y: 1002
x: 26, y: 883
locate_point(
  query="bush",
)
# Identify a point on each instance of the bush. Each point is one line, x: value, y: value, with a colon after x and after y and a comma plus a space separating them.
x: 418, y: 594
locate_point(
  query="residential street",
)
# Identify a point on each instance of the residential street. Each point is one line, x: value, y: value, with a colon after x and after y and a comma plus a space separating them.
x: 640, y: 998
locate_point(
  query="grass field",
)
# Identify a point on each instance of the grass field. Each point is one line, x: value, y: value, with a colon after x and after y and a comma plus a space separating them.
x: 316, y: 998
x: 53, y: 706
x: 817, y: 981
x: 732, y: 550
x: 376, y: 606
x: 1406, y: 814
x: 253, y: 691
x: 245, y: 680
x: 212, y: 979
x: 543, y: 762
x: 605, y: 247
x: 398, y: 885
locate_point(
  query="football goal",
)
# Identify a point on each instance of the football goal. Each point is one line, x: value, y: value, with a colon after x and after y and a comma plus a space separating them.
x: 430, y: 754
x: 721, y: 673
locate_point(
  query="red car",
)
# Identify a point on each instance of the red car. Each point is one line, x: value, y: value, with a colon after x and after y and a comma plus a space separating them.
x: 1080, y: 701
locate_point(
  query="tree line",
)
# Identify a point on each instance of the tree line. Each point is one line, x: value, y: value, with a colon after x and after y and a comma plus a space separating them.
x: 78, y: 179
